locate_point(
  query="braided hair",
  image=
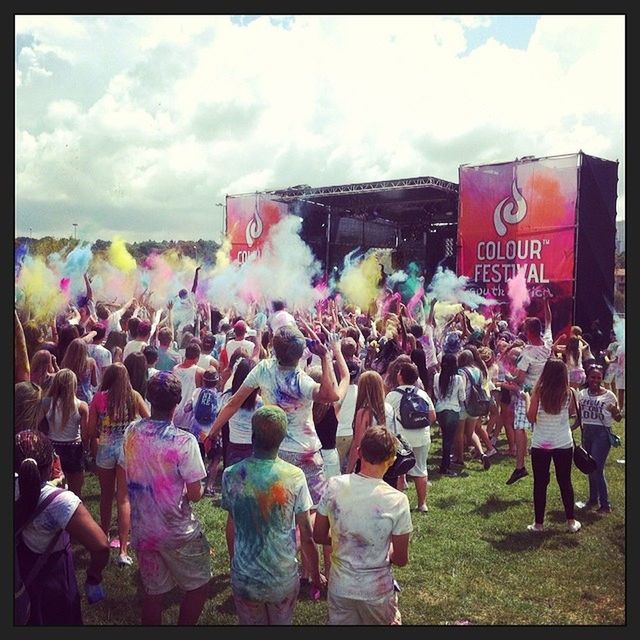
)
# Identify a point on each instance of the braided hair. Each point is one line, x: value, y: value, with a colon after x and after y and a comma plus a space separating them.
x: 32, y: 461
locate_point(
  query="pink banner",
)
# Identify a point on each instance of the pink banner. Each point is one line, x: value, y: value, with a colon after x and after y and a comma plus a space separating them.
x: 249, y: 220
x: 520, y: 215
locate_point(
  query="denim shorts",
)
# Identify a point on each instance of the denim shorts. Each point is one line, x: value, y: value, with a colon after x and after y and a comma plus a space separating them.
x: 71, y: 456
x: 110, y: 449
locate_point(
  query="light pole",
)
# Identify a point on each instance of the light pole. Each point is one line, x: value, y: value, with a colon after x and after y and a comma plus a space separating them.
x: 195, y: 246
x: 30, y: 233
x: 224, y: 218
x: 75, y: 230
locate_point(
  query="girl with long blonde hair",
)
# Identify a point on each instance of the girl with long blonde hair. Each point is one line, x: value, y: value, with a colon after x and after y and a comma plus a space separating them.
x: 113, y: 407
x: 67, y: 417
x: 371, y: 410
x: 43, y: 368
x: 77, y: 359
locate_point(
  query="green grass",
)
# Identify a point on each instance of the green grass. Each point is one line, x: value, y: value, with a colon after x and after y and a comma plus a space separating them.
x: 471, y: 557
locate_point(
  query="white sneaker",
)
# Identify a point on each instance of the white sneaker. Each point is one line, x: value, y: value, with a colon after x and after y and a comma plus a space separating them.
x: 575, y: 527
x: 535, y: 528
x: 124, y: 560
x: 423, y: 508
x: 492, y: 452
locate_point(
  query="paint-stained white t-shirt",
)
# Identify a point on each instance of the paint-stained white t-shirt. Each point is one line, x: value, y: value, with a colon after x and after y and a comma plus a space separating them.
x: 363, y: 515
x: 292, y: 390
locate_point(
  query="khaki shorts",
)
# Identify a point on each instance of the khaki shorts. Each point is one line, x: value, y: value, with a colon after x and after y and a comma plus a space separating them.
x: 349, y: 611
x: 188, y: 567
x: 267, y: 613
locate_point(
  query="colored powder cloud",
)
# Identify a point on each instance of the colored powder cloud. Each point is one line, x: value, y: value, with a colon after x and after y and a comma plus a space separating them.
x: 519, y: 298
x: 120, y: 257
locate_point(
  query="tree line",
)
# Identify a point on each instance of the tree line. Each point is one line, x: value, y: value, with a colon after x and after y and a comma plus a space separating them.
x: 204, y: 251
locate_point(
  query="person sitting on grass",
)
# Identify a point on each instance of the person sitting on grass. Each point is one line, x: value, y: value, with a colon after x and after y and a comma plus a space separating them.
x: 368, y: 524
x: 266, y: 498
x: 164, y: 473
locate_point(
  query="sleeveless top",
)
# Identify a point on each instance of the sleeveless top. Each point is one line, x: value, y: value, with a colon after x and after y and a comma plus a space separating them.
x: 552, y: 430
x: 59, y: 432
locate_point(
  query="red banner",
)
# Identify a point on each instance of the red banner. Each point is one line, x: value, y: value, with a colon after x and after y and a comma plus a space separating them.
x: 520, y: 215
x: 249, y: 219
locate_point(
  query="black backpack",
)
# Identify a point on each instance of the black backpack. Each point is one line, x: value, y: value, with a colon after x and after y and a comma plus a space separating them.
x: 478, y: 401
x: 414, y: 409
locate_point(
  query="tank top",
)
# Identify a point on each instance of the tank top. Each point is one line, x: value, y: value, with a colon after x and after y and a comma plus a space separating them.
x: 326, y: 429
x: 59, y: 432
x: 552, y: 430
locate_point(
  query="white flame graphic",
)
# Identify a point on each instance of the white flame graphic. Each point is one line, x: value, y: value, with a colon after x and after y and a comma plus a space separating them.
x: 505, y: 213
x: 254, y: 228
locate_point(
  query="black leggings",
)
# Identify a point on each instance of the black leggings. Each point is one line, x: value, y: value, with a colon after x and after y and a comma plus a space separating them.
x: 448, y: 421
x: 541, y: 464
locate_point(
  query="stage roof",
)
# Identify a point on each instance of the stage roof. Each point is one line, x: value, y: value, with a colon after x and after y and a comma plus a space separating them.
x: 406, y: 201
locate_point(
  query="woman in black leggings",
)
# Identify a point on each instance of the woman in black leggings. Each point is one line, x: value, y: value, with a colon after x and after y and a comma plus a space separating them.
x: 551, y: 406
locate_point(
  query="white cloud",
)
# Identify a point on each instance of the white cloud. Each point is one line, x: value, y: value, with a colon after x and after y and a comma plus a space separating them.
x: 131, y: 116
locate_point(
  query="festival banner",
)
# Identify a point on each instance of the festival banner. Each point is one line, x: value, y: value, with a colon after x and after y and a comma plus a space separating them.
x: 248, y: 221
x: 521, y: 215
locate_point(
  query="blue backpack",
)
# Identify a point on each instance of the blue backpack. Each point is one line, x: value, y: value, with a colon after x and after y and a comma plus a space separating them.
x: 206, y: 407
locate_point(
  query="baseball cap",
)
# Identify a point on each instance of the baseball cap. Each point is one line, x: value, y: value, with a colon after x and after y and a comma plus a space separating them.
x: 503, y: 325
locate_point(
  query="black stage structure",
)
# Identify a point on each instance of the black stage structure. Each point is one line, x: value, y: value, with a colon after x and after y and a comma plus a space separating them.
x: 414, y: 218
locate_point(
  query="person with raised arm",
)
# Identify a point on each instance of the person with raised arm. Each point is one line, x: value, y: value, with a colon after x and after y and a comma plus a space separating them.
x: 529, y: 367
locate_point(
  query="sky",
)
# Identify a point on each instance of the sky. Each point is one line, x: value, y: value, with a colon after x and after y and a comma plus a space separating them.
x: 139, y: 126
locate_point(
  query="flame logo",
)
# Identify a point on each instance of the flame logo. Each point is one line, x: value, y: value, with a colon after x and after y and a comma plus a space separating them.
x: 254, y: 228
x: 504, y: 213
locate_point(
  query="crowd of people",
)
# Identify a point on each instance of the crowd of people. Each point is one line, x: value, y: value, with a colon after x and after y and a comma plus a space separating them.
x: 293, y: 420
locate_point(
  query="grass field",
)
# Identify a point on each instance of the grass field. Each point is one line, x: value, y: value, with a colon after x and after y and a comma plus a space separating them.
x: 471, y: 560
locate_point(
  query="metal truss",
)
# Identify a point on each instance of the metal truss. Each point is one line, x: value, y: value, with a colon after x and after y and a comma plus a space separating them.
x: 293, y: 193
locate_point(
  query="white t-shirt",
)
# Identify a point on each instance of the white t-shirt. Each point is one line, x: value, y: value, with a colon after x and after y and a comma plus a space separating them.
x: 415, y: 437
x: 187, y: 377
x: 102, y: 357
x: 233, y: 345
x: 184, y: 310
x: 160, y: 460
x: 133, y: 346
x: 205, y: 361
x: 43, y: 528
x: 346, y: 412
x: 429, y: 346
x: 594, y: 407
x: 113, y: 322
x: 454, y: 400
x: 363, y: 515
x: 533, y: 358
x: 292, y: 390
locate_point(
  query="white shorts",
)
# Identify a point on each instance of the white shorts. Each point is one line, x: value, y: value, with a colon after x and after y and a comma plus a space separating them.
x: 188, y: 567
